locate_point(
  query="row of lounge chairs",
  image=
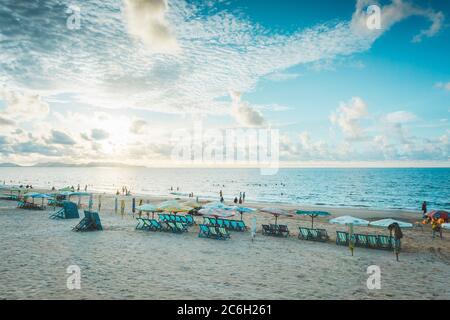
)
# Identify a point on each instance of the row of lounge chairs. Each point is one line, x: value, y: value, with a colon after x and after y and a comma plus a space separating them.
x: 29, y: 206
x: 313, y: 234
x: 90, y: 222
x: 365, y: 240
x: 233, y: 225
x: 213, y: 232
x: 155, y: 225
x: 276, y: 230
x: 187, y: 219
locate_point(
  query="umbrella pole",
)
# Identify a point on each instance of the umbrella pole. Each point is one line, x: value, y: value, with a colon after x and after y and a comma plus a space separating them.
x: 276, y: 218
x: 312, y: 222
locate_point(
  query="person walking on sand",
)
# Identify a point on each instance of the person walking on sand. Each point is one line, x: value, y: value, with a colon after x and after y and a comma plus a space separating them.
x: 424, y: 209
x: 398, y: 235
x: 240, y: 200
x: 78, y: 187
x: 85, y: 188
x: 253, y: 227
x: 436, y: 227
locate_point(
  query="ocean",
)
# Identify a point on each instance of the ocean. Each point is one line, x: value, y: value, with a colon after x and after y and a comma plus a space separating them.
x: 383, y: 188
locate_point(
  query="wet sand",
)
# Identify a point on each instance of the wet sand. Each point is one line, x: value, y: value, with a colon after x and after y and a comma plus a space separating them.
x: 122, y: 263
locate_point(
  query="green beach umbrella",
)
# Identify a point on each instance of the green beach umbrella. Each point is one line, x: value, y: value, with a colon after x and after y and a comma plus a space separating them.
x: 312, y: 214
x: 148, y: 207
x: 242, y: 210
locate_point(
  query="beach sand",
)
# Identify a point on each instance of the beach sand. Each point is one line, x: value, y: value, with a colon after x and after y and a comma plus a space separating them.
x: 122, y: 263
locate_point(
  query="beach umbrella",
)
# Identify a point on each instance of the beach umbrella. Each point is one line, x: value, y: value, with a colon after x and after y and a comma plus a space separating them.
x: 384, y: 223
x: 276, y: 212
x: 438, y: 214
x: 446, y: 226
x: 350, y: 222
x: 312, y: 214
x: 174, y: 207
x: 35, y: 195
x: 217, y: 213
x: 217, y: 205
x: 148, y: 207
x: 242, y: 210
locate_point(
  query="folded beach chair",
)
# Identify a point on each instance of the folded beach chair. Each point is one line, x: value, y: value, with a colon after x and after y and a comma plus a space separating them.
x: 90, y: 222
x: 385, y: 242
x: 342, y: 238
x: 317, y: 234
x: 361, y: 240
x: 58, y: 214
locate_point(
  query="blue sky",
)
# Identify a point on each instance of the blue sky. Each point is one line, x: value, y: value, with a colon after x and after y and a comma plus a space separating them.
x: 118, y: 85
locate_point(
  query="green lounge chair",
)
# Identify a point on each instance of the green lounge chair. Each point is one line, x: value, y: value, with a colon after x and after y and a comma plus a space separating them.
x: 59, y: 214
x: 227, y: 223
x: 303, y: 233
x: 213, y: 221
x: 206, y: 221
x: 372, y: 241
x: 220, y: 223
x: 385, y: 242
x: 223, y: 233
x: 181, y: 227
x: 342, y: 238
x: 156, y: 225
x: 90, y: 222
x: 213, y: 232
x: 234, y: 225
x: 361, y: 240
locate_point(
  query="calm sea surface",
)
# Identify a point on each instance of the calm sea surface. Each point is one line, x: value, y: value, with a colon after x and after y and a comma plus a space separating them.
x: 371, y: 188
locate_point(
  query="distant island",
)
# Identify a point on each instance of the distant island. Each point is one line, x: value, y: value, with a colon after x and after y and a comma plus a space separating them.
x: 66, y: 165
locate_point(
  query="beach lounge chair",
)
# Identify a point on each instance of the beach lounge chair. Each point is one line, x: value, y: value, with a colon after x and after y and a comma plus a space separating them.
x: 213, y: 221
x: 372, y: 241
x: 223, y: 233
x: 206, y: 221
x: 58, y: 214
x: 361, y: 240
x: 213, y: 232
x: 342, y: 238
x: 90, y: 222
x: 143, y: 224
x: 155, y: 225
x: 189, y: 219
x: 241, y: 226
x: 181, y: 227
x: 282, y: 230
x: 385, y: 242
x: 227, y: 223
x: 303, y: 233
x: 204, y: 231
x: 220, y: 223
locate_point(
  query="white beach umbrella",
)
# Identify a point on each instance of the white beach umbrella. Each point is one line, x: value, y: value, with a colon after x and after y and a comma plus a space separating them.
x: 350, y: 222
x: 384, y: 223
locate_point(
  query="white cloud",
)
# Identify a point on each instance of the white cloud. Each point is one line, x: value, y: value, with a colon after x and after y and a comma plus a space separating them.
x: 443, y: 85
x: 244, y: 113
x: 146, y: 21
x: 22, y: 106
x: 401, y: 117
x: 348, y: 118
x: 282, y: 76
x: 138, y: 126
x: 99, y: 134
x: 393, y: 13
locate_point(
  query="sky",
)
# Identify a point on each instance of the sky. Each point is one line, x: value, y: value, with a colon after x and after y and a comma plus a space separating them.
x: 128, y: 81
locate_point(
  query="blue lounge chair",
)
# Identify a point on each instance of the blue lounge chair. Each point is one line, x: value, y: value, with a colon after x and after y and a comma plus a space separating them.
x: 90, y: 222
x: 189, y: 219
x: 223, y: 233
x: 58, y: 214
x: 69, y: 210
x: 241, y: 225
x: 204, y: 231
x: 220, y: 223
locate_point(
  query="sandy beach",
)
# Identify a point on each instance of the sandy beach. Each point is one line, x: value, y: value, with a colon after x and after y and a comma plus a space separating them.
x: 122, y: 263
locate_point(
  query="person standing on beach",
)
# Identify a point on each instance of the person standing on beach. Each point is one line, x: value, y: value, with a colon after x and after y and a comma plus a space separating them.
x: 243, y: 196
x: 85, y: 188
x: 253, y: 227
x: 398, y: 235
x: 436, y: 227
x: 235, y: 200
x: 240, y: 200
x: 220, y: 194
x: 78, y: 187
x: 424, y: 208
x: 221, y: 199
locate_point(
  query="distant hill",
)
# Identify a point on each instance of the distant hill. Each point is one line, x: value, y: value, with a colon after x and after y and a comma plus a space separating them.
x: 83, y: 165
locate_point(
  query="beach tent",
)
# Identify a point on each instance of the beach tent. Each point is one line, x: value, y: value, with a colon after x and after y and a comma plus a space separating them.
x: 242, y: 210
x: 384, y: 223
x: 350, y: 222
x: 312, y: 214
x: 276, y: 212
